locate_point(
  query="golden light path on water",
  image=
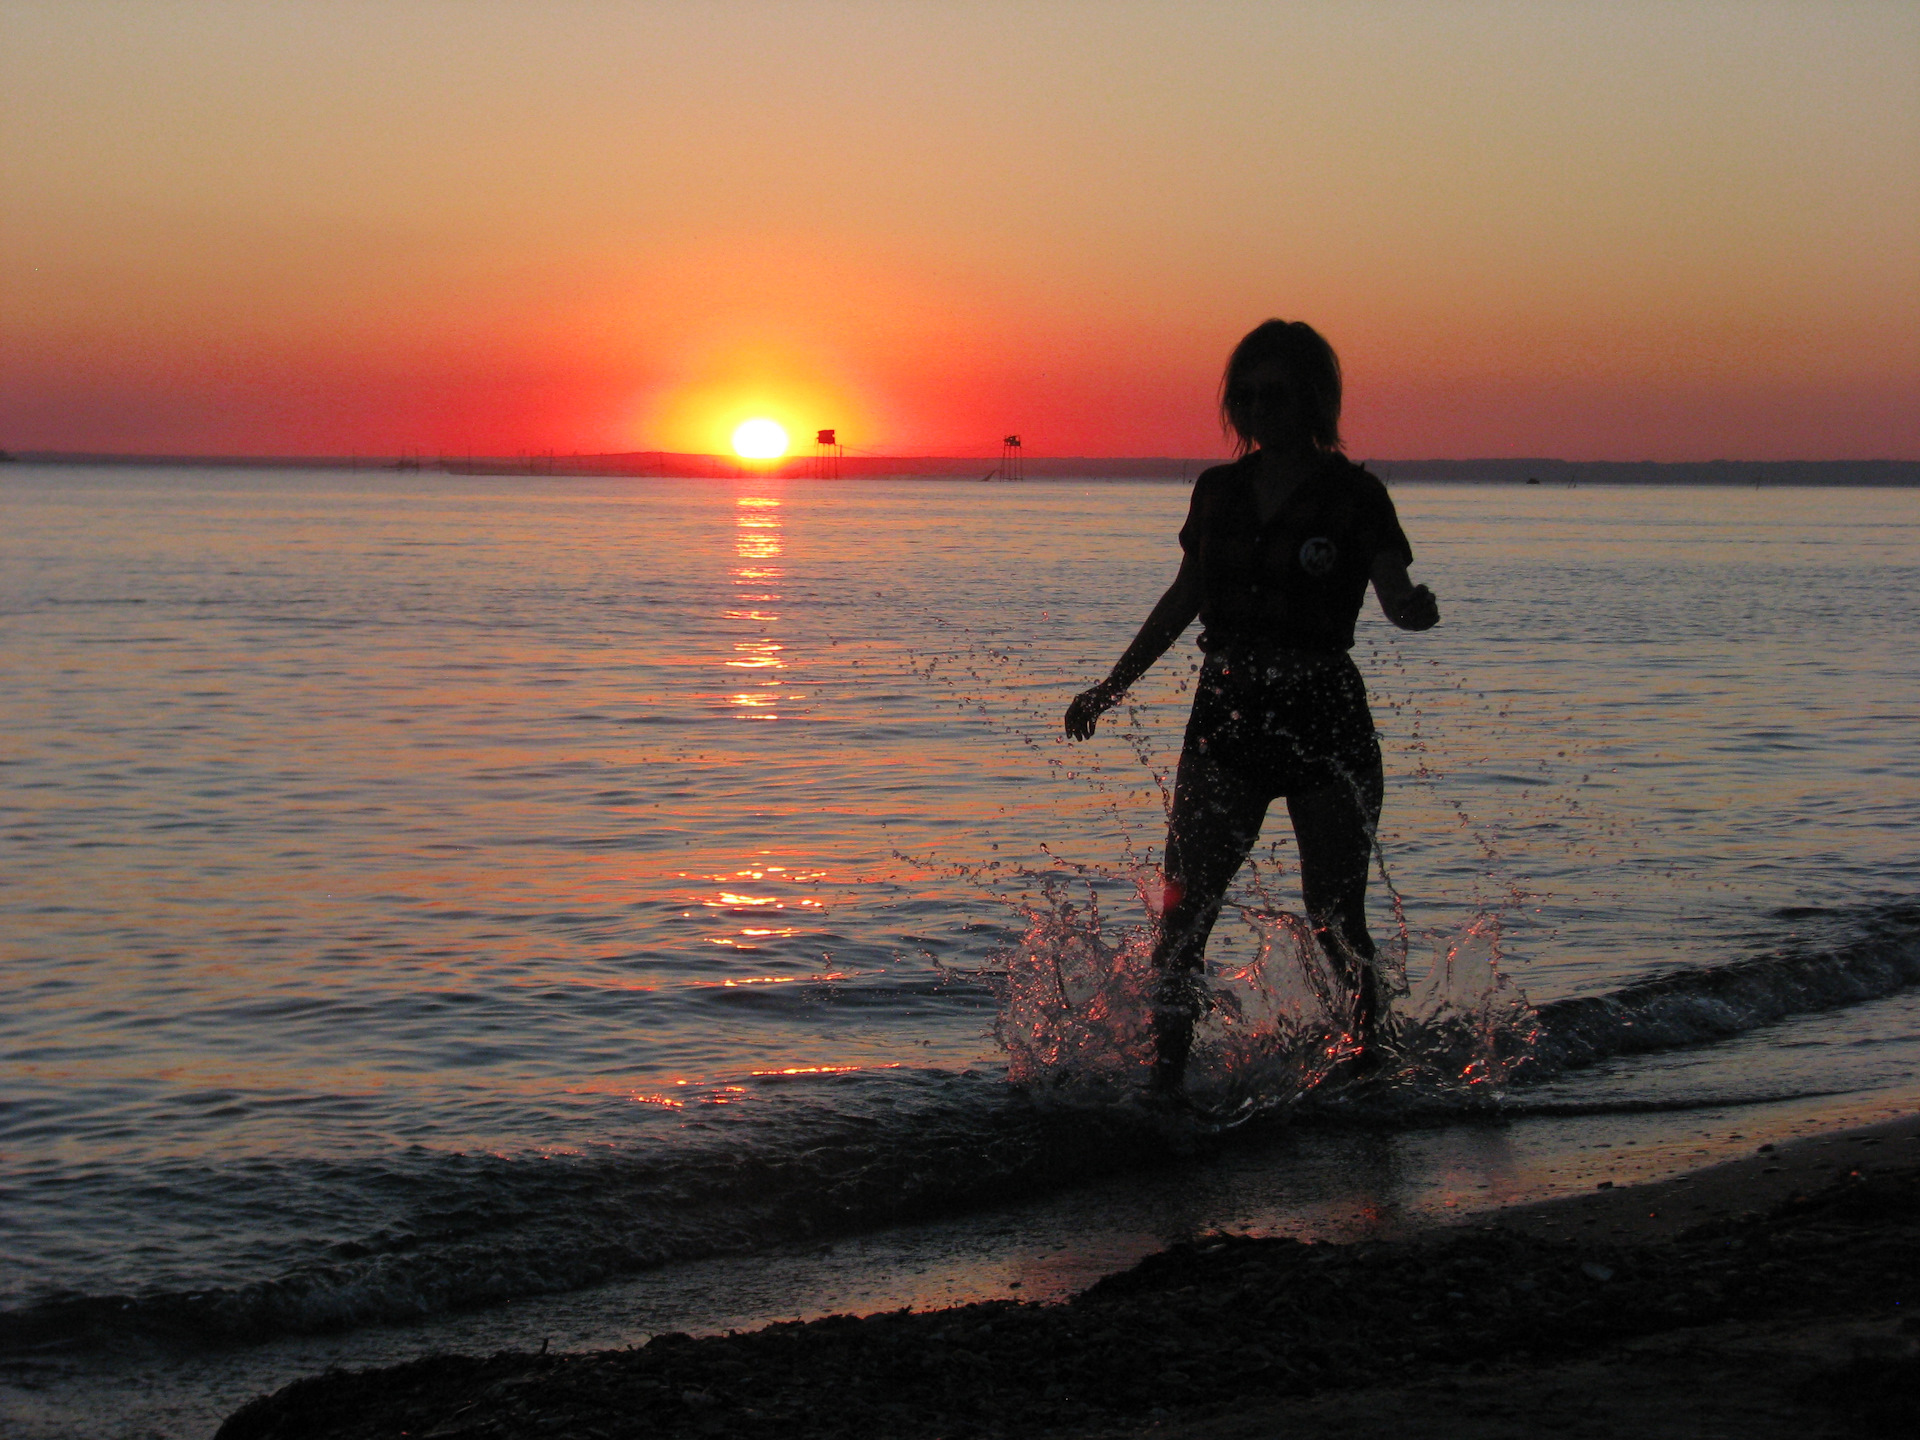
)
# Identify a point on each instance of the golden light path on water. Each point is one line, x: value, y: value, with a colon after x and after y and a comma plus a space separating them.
x: 757, y: 545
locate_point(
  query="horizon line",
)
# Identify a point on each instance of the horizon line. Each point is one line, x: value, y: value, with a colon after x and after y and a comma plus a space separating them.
x: 440, y: 458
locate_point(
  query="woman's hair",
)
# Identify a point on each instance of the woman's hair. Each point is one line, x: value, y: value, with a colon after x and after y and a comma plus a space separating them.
x: 1307, y: 367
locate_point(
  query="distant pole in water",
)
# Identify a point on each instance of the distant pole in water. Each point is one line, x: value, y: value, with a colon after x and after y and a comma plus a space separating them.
x: 827, y: 451
x: 1013, y: 463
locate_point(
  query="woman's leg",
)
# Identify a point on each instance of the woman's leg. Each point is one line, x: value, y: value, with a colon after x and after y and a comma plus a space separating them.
x: 1213, y: 826
x: 1334, y: 826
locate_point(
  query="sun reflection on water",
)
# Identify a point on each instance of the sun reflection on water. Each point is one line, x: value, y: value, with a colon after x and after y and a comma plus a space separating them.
x: 755, y: 907
x: 757, y: 541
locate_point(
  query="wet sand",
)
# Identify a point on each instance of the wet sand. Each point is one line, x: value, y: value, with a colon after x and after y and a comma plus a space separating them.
x: 1773, y: 1295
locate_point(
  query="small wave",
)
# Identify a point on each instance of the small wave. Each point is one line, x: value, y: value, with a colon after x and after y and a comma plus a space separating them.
x: 475, y: 1230
x: 480, y: 1230
x: 1694, y: 1007
x: 1076, y: 1003
x: 1521, y: 1104
x: 1276, y: 1030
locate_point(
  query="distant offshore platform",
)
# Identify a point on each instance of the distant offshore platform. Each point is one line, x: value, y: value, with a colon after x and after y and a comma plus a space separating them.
x: 1013, y: 461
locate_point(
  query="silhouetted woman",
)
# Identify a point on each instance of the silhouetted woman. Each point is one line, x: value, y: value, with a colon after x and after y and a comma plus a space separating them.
x: 1279, y: 547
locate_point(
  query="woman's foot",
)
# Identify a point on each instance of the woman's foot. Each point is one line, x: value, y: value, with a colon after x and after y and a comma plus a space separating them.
x: 1362, y: 1064
x: 1174, y: 1037
x: 1175, y: 1005
x: 1372, y: 1033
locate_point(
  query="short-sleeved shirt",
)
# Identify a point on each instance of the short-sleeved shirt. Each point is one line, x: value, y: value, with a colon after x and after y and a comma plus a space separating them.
x: 1296, y: 582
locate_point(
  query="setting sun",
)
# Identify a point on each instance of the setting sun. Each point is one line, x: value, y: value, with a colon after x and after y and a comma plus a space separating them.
x: 759, y: 440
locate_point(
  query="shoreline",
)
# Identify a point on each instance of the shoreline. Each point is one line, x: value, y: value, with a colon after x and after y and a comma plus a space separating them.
x: 1769, y: 1293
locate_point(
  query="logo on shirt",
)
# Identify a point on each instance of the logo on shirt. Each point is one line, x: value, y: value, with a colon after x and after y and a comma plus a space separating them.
x: 1318, y: 556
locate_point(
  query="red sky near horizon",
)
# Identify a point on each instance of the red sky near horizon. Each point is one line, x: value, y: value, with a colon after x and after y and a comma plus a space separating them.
x: 1621, y: 231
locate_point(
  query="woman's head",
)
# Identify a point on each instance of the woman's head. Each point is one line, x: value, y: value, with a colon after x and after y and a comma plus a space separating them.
x: 1282, y: 389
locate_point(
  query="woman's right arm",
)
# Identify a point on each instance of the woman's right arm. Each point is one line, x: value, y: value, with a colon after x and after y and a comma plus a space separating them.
x: 1163, y: 626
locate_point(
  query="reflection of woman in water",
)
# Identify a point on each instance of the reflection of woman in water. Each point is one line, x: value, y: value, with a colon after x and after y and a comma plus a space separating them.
x: 1279, y: 548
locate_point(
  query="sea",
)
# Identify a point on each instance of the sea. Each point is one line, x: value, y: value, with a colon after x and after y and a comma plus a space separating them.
x: 464, y: 913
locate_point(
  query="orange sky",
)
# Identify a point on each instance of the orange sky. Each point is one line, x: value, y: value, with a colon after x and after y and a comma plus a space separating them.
x: 1672, y: 231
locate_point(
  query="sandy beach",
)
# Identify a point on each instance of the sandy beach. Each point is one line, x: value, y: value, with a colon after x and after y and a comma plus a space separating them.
x: 1770, y: 1295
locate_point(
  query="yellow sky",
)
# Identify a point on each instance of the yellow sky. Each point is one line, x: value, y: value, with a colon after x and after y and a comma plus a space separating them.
x: 1607, y: 230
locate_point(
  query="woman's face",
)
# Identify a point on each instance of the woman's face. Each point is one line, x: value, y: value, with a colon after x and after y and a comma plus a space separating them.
x: 1273, y: 408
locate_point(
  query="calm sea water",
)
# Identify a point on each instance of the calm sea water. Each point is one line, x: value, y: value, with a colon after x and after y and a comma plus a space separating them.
x: 426, y: 894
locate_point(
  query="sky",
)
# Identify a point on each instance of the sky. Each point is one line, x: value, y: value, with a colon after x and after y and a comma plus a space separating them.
x: 1612, y: 230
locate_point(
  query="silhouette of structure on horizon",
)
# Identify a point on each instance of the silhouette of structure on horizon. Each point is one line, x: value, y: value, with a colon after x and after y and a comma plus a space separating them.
x: 1013, y: 461
x: 827, y: 451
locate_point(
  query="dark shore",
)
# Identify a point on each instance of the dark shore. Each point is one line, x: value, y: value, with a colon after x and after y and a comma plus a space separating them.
x: 1773, y: 1296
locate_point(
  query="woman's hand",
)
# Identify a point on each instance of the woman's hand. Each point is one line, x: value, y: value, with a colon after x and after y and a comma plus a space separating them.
x: 1416, y: 610
x: 1087, y: 708
x: 1163, y: 626
x: 1410, y: 606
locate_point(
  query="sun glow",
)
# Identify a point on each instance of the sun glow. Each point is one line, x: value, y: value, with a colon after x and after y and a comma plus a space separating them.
x: 760, y: 440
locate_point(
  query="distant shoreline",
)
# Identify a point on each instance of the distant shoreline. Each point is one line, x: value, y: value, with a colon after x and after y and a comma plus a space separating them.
x: 680, y: 465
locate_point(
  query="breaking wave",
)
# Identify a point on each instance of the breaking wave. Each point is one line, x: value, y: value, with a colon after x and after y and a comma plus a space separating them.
x: 881, y: 1148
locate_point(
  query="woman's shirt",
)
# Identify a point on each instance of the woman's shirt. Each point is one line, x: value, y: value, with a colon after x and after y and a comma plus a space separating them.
x: 1297, y: 581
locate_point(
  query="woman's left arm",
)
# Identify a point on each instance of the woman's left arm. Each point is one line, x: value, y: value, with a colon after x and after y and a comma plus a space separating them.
x: 1410, y: 606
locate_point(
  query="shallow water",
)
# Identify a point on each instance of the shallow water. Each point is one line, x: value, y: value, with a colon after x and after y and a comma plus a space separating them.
x: 428, y: 892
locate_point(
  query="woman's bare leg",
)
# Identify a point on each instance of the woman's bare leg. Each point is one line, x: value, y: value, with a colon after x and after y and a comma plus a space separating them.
x: 1334, y: 827
x: 1215, y: 821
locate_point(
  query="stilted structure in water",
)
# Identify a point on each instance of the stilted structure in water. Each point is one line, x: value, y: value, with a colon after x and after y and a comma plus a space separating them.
x: 1013, y: 463
x: 827, y: 451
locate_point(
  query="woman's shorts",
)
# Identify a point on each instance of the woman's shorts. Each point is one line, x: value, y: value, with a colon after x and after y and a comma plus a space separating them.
x: 1288, y: 722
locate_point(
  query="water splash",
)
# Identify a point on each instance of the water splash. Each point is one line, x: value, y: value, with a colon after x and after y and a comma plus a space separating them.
x: 1277, y: 1030
x: 1470, y: 1029
x: 1075, y: 999
x: 1274, y: 1032
x: 1281, y: 1029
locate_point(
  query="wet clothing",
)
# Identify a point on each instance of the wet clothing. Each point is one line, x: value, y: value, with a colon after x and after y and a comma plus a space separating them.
x: 1290, y: 721
x: 1297, y: 581
x: 1280, y: 711
x: 1280, y: 704
x: 1234, y: 766
x: 1214, y: 825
